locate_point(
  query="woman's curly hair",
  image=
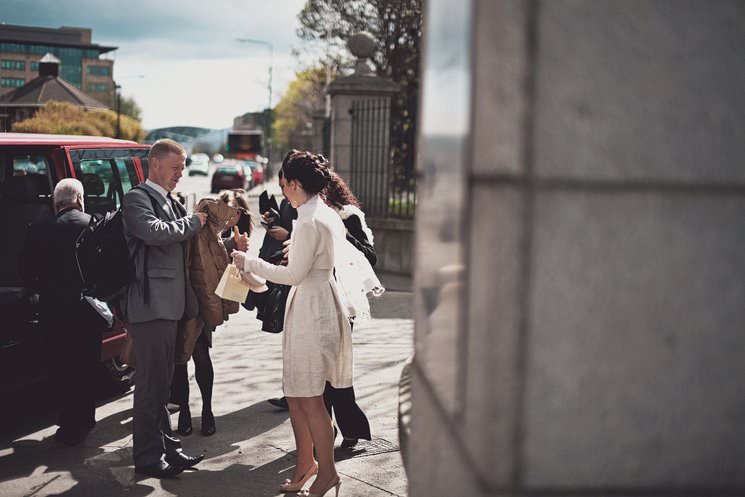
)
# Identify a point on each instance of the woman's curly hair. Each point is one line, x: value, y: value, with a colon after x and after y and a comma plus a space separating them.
x: 338, y: 194
x: 311, y: 170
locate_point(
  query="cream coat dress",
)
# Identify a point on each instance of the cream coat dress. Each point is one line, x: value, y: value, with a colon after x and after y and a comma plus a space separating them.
x: 317, y: 342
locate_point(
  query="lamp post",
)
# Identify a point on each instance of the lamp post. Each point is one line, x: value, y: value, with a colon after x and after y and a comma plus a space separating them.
x: 118, y: 89
x: 267, y: 121
x: 118, y: 95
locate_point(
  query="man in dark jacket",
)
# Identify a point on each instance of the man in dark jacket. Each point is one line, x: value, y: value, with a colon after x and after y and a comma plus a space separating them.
x: 47, y: 264
x: 271, y: 250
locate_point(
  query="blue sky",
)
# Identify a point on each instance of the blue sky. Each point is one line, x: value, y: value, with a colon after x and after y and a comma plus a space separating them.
x: 180, y: 59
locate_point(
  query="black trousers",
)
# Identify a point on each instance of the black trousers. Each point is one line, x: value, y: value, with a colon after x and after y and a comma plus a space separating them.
x: 351, y: 420
x: 74, y: 357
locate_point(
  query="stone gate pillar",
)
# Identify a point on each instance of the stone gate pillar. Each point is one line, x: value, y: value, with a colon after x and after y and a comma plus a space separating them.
x: 344, y: 90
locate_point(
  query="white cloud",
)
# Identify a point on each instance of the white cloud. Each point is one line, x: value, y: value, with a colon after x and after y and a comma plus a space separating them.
x: 200, y: 92
x: 180, y: 59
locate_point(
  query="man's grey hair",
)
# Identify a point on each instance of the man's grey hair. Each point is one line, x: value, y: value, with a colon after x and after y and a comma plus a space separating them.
x: 66, y: 193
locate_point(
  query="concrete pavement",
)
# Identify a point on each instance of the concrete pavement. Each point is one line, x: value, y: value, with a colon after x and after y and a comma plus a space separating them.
x: 252, y: 450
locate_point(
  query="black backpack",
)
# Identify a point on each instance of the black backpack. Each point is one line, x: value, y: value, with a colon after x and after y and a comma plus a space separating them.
x: 105, y: 264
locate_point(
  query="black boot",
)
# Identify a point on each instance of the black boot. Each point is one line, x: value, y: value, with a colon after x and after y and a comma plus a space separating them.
x: 184, y: 422
x: 208, y: 424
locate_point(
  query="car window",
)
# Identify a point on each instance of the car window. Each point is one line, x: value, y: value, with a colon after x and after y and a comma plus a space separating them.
x: 127, y: 174
x: 106, y: 174
x: 228, y: 171
x: 33, y: 166
x: 102, y: 189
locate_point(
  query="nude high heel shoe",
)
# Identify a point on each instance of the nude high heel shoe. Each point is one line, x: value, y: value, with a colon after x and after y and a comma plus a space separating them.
x: 290, y: 486
x: 336, y: 483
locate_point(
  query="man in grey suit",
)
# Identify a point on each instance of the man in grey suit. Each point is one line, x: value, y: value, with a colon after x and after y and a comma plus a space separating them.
x: 156, y: 228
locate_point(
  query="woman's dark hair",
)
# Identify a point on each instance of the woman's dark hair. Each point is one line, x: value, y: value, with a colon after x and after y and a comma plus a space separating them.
x: 311, y: 170
x: 338, y: 194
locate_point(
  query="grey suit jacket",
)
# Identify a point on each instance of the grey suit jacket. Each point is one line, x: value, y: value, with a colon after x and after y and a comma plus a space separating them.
x: 171, y: 295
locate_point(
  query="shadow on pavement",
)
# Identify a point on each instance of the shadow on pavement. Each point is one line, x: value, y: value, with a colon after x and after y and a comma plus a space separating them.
x: 235, y: 480
x: 234, y: 428
x: 29, y: 411
x: 103, y: 464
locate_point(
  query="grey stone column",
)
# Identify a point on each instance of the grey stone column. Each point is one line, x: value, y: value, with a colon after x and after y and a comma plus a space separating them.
x: 345, y: 90
x: 597, y: 343
x: 319, y: 121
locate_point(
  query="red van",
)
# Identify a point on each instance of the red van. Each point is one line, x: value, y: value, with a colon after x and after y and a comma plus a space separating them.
x: 30, y: 166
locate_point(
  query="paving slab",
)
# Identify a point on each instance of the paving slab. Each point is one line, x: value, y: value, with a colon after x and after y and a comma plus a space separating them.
x: 252, y: 450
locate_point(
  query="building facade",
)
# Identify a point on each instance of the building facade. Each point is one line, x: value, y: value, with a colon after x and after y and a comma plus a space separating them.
x: 21, y: 48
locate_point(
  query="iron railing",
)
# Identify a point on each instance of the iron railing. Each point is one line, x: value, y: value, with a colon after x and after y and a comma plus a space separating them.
x: 384, y: 188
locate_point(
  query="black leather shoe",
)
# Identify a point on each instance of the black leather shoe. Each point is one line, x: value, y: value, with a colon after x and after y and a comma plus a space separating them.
x: 171, y: 442
x: 184, y: 422
x: 349, y: 443
x: 69, y: 437
x: 280, y: 402
x: 160, y: 469
x: 180, y: 460
x: 208, y: 424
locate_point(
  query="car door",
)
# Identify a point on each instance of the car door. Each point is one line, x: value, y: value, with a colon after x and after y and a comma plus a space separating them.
x: 107, y: 174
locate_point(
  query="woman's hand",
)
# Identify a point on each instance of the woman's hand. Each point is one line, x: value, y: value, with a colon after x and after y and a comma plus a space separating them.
x: 285, y: 252
x: 279, y: 233
x: 239, y: 259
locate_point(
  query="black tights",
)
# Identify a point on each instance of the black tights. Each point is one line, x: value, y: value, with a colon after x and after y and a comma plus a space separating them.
x: 203, y: 372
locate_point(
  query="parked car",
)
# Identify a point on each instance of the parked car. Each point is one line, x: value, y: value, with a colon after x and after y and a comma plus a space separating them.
x: 228, y: 175
x: 30, y: 167
x: 257, y: 174
x: 248, y: 173
x: 199, y: 165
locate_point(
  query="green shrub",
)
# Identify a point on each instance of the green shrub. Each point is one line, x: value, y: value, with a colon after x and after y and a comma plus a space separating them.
x: 61, y: 118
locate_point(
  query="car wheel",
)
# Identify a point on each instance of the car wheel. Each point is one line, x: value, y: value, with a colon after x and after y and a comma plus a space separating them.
x: 116, y: 376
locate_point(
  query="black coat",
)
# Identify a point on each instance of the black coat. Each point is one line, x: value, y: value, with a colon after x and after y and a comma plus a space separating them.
x: 271, y: 247
x: 47, y: 262
x: 270, y: 305
x: 357, y: 237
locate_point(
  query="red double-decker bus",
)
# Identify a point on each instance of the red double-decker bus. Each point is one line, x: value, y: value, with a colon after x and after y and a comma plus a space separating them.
x: 245, y: 144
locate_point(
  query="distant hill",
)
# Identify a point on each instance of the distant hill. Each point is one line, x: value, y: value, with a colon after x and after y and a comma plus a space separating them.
x: 179, y: 133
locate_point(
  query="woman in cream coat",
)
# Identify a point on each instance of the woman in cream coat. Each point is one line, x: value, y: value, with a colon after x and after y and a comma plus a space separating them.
x: 317, y: 342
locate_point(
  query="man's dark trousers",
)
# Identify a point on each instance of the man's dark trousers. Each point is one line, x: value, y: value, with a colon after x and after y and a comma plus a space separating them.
x: 154, y: 344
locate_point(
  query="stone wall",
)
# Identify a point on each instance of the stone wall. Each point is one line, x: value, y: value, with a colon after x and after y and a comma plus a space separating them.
x: 600, y: 347
x: 394, y: 245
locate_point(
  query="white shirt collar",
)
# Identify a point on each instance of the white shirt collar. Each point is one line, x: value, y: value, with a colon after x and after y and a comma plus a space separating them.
x: 155, y: 186
x: 308, y: 207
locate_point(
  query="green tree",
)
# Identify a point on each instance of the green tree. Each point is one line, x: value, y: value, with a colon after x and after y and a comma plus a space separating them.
x: 397, y: 28
x: 129, y: 106
x: 293, y: 115
x: 64, y: 118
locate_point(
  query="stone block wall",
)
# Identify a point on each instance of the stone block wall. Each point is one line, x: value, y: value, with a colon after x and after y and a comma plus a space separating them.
x: 600, y: 348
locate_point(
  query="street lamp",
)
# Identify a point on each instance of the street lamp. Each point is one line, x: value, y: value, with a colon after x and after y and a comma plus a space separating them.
x: 118, y: 89
x: 269, y: 87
